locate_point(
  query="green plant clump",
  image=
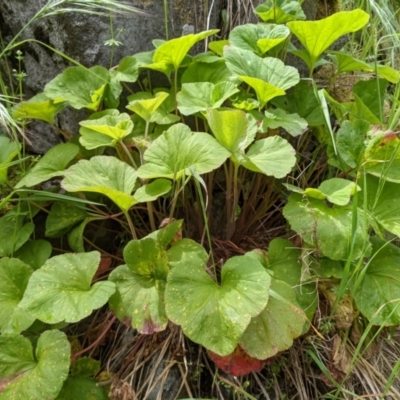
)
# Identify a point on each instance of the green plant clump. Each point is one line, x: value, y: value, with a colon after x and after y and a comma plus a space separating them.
x: 236, y: 142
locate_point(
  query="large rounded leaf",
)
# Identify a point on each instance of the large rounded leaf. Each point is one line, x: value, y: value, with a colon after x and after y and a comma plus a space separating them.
x: 199, y: 96
x: 140, y: 284
x: 102, y: 174
x: 24, y: 376
x: 13, y: 233
x: 79, y: 86
x: 14, y: 276
x: 283, y: 260
x: 269, y: 69
x: 318, y: 36
x: 382, y: 199
x: 272, y: 156
x: 178, y: 149
x: 52, y: 164
x: 278, y: 324
x: 378, y: 294
x: 105, y: 131
x: 213, y: 315
x: 329, y: 229
x: 61, y: 291
x: 259, y: 38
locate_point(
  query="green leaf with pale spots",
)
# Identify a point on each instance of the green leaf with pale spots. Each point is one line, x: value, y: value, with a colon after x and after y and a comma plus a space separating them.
x: 38, y: 107
x: 14, y: 276
x: 272, y: 156
x: 177, y: 150
x: 166, y: 234
x: 139, y: 298
x: 328, y: 229
x: 105, y: 131
x: 278, y: 324
x: 377, y: 296
x: 86, y: 366
x: 106, y: 175
x: 52, y: 164
x: 61, y: 290
x: 82, y: 388
x: 62, y: 217
x: 34, y: 252
x: 40, y: 377
x: 80, y: 87
x: 186, y: 252
x: 213, y: 315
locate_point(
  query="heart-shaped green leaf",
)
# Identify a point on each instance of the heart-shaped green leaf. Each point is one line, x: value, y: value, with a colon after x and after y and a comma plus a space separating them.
x: 284, y: 261
x: 378, y: 294
x: 61, y: 290
x: 347, y: 63
x: 199, y: 96
x: 382, y: 200
x: 328, y: 229
x: 269, y: 69
x: 34, y: 253
x: 13, y: 233
x: 170, y: 54
x: 233, y: 129
x: 264, y: 90
x: 168, y: 233
x: 178, y: 149
x: 318, y: 36
x: 140, y: 284
x: 14, y: 276
x: 147, y: 106
x: 62, y: 217
x: 382, y: 155
x: 213, y: 315
x: 278, y: 324
x: 280, y: 11
x: 102, y: 174
x: 258, y: 38
x: 337, y: 190
x: 272, y: 156
x: 128, y: 69
x: 40, y: 377
x: 350, y: 140
x: 82, y: 388
x: 105, y: 131
x: 186, y: 252
x: 9, y: 150
x: 52, y: 164
x: 38, y: 107
x: 215, y: 72
x: 291, y: 123
x: 79, y: 86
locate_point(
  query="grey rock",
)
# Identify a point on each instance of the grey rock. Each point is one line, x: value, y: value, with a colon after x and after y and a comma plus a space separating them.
x: 82, y: 36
